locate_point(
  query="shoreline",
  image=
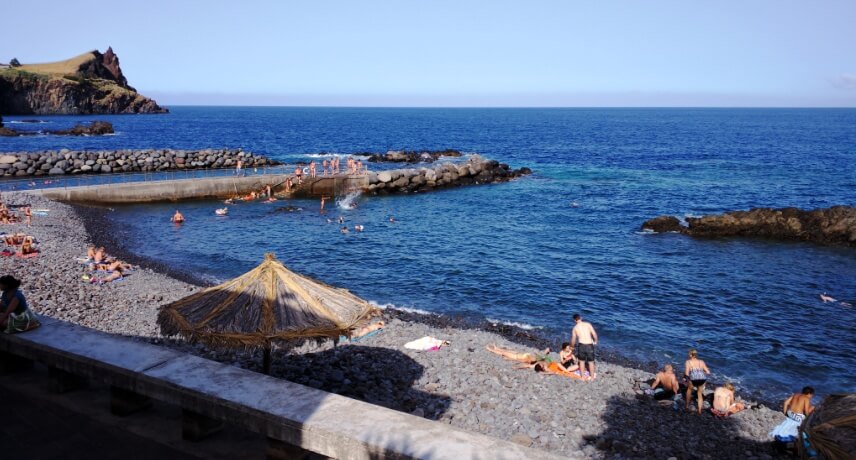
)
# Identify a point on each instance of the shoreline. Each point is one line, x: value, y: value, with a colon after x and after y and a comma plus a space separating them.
x: 461, y: 384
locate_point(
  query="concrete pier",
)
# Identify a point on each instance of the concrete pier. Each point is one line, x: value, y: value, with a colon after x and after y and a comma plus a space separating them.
x: 203, y: 188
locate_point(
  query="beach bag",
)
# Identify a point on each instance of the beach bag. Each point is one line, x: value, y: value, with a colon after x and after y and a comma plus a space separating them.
x: 23, y: 322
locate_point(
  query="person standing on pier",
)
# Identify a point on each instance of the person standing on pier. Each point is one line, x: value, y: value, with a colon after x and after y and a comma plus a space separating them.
x: 324, y: 166
x: 298, y: 172
x: 584, y: 337
x: 312, y: 169
x: 238, y: 166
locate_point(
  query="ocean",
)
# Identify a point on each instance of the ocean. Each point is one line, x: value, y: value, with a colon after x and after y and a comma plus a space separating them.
x: 537, y: 250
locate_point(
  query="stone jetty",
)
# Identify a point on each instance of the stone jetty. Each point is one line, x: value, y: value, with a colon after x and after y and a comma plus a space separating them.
x: 831, y: 226
x: 476, y: 170
x: 114, y: 161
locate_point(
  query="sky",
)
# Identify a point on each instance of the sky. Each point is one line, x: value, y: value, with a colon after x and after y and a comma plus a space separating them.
x: 766, y: 53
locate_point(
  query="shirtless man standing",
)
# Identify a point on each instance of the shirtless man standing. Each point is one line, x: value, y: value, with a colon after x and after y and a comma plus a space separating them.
x: 666, y: 380
x: 584, y: 338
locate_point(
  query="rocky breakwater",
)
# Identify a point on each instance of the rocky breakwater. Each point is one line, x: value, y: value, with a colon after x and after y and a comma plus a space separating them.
x: 831, y: 226
x: 114, y: 161
x: 476, y: 170
x: 411, y: 156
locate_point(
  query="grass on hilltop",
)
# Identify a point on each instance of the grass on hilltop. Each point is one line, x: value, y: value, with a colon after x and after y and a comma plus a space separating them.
x: 66, y: 67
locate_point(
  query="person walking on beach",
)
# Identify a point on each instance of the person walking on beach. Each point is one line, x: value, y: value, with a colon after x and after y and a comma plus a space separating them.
x: 696, y: 371
x: 584, y: 338
x: 28, y: 215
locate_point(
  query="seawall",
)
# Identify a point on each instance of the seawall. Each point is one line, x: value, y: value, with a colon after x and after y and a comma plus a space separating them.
x: 476, y: 170
x: 61, y: 162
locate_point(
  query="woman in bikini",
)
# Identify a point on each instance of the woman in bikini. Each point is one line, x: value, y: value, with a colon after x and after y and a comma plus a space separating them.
x: 696, y: 371
x: 540, y: 362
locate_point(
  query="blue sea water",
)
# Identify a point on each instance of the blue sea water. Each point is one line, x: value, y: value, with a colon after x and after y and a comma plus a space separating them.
x: 519, y: 252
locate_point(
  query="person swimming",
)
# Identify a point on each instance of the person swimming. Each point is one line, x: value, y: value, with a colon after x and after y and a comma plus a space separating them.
x: 358, y: 228
x: 827, y: 298
x: 178, y: 217
x: 344, y: 230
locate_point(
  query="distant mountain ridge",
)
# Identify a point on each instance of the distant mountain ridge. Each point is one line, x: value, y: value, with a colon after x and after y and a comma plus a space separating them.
x: 91, y: 83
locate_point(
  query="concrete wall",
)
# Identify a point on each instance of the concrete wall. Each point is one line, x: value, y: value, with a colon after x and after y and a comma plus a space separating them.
x: 211, y: 187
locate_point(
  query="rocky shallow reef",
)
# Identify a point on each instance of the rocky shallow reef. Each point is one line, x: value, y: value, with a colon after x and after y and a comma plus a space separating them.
x: 108, y: 161
x: 411, y: 156
x: 831, y: 226
x: 462, y: 384
x: 476, y: 170
x: 95, y: 128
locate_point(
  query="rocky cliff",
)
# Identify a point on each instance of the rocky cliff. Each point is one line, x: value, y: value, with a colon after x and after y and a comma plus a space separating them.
x: 835, y: 225
x: 91, y: 83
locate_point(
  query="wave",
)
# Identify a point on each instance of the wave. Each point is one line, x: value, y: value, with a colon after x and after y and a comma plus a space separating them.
x: 524, y: 326
x: 20, y: 122
x: 404, y: 309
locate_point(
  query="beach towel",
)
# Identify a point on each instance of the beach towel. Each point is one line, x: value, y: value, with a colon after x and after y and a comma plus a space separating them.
x: 787, y: 430
x: 27, y: 256
x: 373, y: 333
x: 426, y: 343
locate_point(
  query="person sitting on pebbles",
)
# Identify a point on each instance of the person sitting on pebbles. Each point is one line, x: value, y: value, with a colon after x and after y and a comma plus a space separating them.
x: 724, y: 403
x: 567, y: 358
x: 665, y: 384
x: 28, y: 248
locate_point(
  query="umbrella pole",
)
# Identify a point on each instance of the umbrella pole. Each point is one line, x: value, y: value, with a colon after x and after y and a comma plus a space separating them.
x: 266, y: 359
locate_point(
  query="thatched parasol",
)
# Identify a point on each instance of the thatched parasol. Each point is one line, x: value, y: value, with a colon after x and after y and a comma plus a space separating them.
x: 831, y: 428
x: 269, y: 303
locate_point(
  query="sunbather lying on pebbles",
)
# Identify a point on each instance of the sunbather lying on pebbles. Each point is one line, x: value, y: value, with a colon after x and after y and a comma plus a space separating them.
x: 540, y: 362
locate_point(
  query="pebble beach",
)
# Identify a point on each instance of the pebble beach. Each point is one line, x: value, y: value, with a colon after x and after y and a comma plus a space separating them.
x: 461, y: 384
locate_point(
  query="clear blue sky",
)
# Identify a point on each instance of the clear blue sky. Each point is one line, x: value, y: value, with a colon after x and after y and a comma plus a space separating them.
x: 458, y: 53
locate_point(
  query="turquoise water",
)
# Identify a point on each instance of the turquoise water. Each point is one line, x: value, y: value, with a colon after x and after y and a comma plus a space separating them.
x: 519, y: 252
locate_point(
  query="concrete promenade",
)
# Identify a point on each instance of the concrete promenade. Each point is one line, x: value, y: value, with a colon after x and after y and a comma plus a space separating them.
x: 295, y: 419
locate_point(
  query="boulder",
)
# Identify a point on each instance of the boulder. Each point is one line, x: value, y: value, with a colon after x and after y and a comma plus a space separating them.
x: 56, y: 171
x: 8, y: 159
x: 663, y: 224
x: 384, y: 176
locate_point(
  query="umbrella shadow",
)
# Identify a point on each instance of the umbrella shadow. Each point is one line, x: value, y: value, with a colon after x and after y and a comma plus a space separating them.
x: 641, y: 428
x: 380, y: 376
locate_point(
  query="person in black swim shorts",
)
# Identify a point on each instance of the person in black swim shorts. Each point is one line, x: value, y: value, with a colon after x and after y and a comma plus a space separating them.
x: 584, y: 337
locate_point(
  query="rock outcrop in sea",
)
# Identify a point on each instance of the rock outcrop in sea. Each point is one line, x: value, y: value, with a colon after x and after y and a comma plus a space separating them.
x: 412, y: 156
x: 830, y: 226
x: 95, y: 128
x: 88, y: 162
x: 476, y: 170
x: 91, y: 83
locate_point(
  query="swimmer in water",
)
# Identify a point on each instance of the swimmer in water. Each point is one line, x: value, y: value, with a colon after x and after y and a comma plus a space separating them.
x: 574, y: 204
x: 826, y: 298
x: 344, y: 230
x: 329, y: 220
x: 358, y: 228
x: 177, y: 217
x: 323, y: 200
x: 392, y: 218
x: 341, y: 220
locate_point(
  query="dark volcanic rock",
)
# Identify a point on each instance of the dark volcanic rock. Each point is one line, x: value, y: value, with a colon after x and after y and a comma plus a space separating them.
x: 96, y: 128
x: 411, y: 156
x: 88, y: 84
x: 663, y: 224
x: 833, y: 226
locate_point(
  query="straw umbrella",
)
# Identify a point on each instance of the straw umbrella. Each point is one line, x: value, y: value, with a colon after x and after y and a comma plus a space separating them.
x: 267, y: 304
x: 831, y: 428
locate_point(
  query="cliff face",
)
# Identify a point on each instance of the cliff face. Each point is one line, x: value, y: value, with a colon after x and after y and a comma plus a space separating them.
x: 92, y: 83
